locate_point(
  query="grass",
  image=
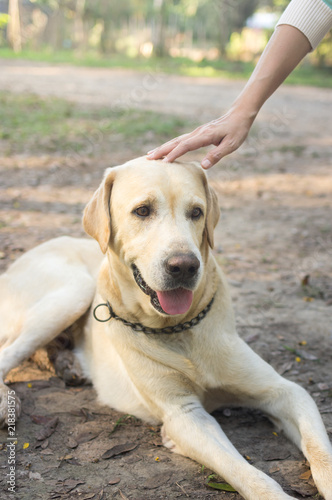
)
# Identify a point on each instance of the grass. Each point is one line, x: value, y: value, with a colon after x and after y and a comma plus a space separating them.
x: 305, y: 74
x: 33, y: 124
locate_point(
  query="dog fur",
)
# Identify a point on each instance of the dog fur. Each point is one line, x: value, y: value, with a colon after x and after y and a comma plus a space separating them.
x: 158, y: 218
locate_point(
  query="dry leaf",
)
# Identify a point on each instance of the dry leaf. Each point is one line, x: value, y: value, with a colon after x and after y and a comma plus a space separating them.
x: 84, y: 437
x: 305, y: 490
x: 123, y: 496
x: 276, y: 454
x: 118, y: 450
x: 306, y: 475
x: 157, y: 480
x: 71, y: 484
x: 41, y: 419
x: 47, y: 430
x: 115, y: 480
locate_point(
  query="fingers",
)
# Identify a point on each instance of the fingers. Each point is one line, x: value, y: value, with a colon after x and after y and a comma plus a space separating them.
x: 164, y: 149
x: 225, y: 133
x: 180, y: 145
x: 225, y: 148
x: 183, y: 146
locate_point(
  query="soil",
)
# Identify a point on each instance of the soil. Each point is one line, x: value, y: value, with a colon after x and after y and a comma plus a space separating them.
x: 274, y: 241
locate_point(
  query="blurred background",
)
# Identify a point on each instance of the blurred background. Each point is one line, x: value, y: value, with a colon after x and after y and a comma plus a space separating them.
x: 197, y: 37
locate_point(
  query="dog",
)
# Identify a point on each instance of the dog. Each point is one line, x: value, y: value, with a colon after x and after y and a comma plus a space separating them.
x: 158, y: 338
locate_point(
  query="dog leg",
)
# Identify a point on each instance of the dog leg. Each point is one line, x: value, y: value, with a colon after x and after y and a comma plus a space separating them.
x: 44, y: 321
x: 293, y: 410
x: 192, y: 432
x: 290, y: 407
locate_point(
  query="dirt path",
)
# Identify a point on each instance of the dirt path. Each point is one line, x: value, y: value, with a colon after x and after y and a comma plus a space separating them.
x: 275, y: 196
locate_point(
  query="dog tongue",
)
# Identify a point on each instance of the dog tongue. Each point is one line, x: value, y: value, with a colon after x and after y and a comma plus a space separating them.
x: 175, y: 301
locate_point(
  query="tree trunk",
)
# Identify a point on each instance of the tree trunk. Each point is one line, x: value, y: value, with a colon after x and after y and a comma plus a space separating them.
x: 79, y: 25
x: 160, y: 49
x: 14, y: 26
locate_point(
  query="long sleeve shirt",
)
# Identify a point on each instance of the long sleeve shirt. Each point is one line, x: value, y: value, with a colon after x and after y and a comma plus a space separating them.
x: 312, y: 17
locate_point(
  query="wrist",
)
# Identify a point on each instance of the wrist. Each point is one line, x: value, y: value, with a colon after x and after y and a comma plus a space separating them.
x: 244, y: 110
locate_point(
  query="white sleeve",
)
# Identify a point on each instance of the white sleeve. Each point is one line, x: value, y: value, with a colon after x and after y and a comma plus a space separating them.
x: 312, y: 17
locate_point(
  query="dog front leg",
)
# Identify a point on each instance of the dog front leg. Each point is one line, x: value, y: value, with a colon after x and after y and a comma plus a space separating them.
x: 293, y: 410
x: 192, y: 432
x: 288, y: 405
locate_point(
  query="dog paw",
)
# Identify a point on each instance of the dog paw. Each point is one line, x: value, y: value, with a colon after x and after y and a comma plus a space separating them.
x: 167, y: 442
x: 10, y: 406
x: 322, y: 476
x: 68, y: 368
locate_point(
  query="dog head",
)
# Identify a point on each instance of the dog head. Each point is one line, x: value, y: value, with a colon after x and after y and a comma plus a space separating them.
x: 158, y: 219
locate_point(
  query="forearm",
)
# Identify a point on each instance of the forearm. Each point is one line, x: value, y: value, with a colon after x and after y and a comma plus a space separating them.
x: 286, y: 48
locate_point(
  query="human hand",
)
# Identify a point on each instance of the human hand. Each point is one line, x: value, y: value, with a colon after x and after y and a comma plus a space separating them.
x: 227, y: 133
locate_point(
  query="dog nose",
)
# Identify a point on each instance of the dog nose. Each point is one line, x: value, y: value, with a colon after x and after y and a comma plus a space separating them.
x: 182, y: 266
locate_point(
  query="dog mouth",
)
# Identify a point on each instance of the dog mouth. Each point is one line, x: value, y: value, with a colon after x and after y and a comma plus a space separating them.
x: 172, y: 302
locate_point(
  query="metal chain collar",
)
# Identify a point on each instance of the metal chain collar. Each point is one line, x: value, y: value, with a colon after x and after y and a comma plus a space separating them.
x: 138, y: 327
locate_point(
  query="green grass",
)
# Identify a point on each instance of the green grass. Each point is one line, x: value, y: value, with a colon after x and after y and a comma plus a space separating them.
x: 305, y: 74
x: 30, y: 123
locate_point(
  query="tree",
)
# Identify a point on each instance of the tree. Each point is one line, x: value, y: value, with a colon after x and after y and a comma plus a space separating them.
x: 14, y: 26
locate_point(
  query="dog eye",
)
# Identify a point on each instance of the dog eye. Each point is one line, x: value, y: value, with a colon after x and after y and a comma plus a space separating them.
x: 196, y: 213
x: 143, y: 211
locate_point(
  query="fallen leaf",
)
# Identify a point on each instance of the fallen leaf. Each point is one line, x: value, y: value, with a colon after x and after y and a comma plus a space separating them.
x: 47, y: 430
x: 41, y: 419
x: 72, y: 461
x: 118, y: 450
x: 285, y: 367
x: 306, y: 475
x: 82, y: 412
x: 71, y: 484
x: 221, y: 486
x: 305, y: 490
x: 47, y: 452
x: 44, y: 444
x: 123, y: 496
x: 157, y: 480
x: 88, y: 496
x: 306, y: 355
x: 115, y: 480
x: 66, y: 457
x: 85, y: 437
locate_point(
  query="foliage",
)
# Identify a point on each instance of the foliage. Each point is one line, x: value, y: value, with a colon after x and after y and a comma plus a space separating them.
x: 57, y: 126
x: 4, y: 18
x: 193, y: 28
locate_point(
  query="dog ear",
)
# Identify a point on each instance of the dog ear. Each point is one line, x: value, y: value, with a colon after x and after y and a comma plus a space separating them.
x: 96, y: 216
x: 213, y: 213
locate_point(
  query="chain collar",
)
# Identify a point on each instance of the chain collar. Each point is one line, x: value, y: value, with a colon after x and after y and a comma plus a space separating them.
x: 138, y: 327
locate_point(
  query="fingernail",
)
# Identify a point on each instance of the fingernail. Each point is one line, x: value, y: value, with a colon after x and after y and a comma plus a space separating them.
x: 206, y: 163
x: 166, y: 160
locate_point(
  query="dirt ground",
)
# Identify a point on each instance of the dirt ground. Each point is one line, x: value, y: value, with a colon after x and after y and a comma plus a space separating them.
x: 274, y: 241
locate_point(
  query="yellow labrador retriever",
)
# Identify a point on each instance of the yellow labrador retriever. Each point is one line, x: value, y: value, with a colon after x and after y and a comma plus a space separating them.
x: 159, y: 341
